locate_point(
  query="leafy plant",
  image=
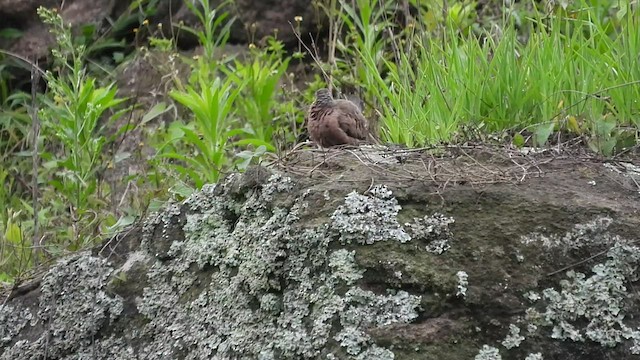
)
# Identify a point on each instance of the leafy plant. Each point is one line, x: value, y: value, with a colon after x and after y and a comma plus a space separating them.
x: 74, y: 117
x: 208, y: 137
x: 459, y: 15
x: 259, y: 80
x: 15, y: 250
x: 604, y: 136
x: 214, y: 34
x: 202, y: 148
x: 14, y: 125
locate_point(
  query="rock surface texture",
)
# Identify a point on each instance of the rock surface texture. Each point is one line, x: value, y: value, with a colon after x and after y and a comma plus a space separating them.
x: 367, y: 255
x: 35, y: 40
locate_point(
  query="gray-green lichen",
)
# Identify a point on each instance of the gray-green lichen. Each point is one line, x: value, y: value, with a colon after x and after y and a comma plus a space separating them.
x: 73, y: 306
x: 585, y: 307
x: 266, y: 258
x: 513, y: 338
x: 463, y: 283
x: 534, y: 356
x: 593, y: 307
x: 244, y: 278
x: 275, y: 287
x: 13, y: 320
x: 488, y: 353
x: 366, y: 219
x: 433, y: 230
x: 594, y: 232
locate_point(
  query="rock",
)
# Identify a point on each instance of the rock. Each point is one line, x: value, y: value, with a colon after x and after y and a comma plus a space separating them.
x: 357, y: 261
x: 18, y: 11
x: 254, y: 19
x: 272, y: 16
x: 36, y: 41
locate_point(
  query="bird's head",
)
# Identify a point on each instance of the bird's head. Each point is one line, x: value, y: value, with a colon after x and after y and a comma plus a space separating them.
x: 323, y: 96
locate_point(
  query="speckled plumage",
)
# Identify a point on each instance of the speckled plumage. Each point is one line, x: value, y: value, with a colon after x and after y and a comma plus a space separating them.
x: 332, y: 122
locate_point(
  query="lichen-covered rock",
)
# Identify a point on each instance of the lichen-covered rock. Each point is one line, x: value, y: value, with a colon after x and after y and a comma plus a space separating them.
x: 271, y: 265
x: 227, y: 277
x: 367, y: 219
x: 270, y: 286
x: 593, y: 307
x: 73, y: 306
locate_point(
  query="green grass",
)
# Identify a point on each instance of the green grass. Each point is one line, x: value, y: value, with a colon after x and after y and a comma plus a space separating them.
x: 425, y: 87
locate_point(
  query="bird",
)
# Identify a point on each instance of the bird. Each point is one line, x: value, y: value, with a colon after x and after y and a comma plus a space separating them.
x: 332, y: 122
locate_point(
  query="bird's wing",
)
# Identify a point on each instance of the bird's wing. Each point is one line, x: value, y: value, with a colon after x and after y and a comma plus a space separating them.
x: 351, y: 120
x: 325, y: 129
x: 313, y: 123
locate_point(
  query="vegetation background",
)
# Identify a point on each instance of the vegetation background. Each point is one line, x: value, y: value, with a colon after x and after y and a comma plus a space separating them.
x: 82, y: 159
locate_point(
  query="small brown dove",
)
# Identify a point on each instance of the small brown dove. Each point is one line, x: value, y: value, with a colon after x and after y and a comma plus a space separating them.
x: 333, y: 122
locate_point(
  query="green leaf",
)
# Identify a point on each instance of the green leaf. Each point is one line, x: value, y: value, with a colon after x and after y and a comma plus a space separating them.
x: 604, y: 127
x: 604, y: 147
x: 10, y: 33
x: 175, y: 131
x: 518, y: 140
x: 122, y: 222
x: 157, y: 110
x: 156, y: 205
x: 182, y: 190
x: 542, y: 132
x: 122, y: 156
x: 118, y: 57
x: 13, y: 233
x: 6, y: 278
x: 256, y: 143
x: 607, y: 146
x: 572, y: 124
x: 88, y: 30
x: 50, y: 164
